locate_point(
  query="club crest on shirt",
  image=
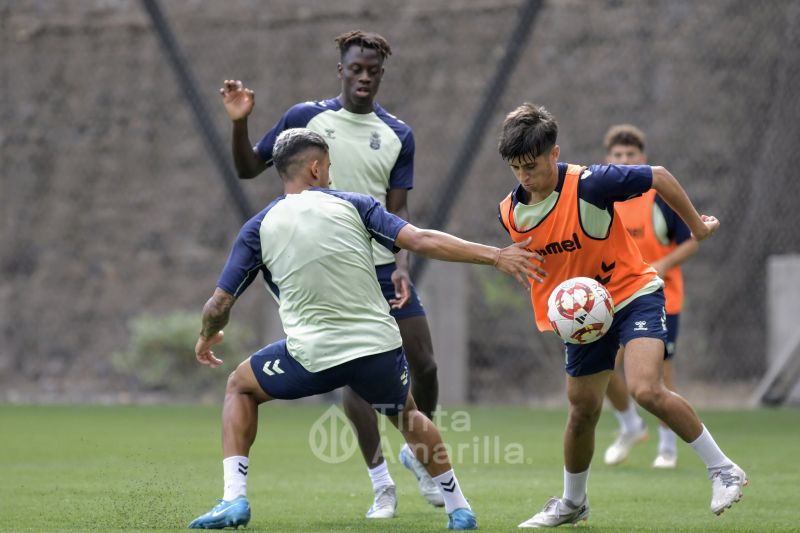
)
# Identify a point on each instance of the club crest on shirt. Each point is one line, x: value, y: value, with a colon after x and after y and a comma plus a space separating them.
x: 329, y: 133
x: 375, y: 141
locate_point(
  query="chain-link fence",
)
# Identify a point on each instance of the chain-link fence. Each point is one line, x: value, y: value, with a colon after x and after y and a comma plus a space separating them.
x: 112, y: 208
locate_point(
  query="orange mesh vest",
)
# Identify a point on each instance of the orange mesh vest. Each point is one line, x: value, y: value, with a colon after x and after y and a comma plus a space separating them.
x: 569, y: 252
x: 637, y: 217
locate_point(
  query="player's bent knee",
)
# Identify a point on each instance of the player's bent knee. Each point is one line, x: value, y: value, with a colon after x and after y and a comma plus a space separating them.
x: 647, y: 395
x: 243, y: 381
x: 585, y: 413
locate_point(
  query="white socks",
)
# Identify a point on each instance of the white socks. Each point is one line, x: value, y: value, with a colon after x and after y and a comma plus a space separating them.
x: 708, y: 450
x: 667, y: 441
x: 575, y: 486
x: 451, y: 491
x: 380, y: 476
x: 235, y: 475
x: 629, y: 419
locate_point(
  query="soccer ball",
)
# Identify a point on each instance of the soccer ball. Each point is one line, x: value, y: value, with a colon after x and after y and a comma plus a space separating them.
x: 580, y: 310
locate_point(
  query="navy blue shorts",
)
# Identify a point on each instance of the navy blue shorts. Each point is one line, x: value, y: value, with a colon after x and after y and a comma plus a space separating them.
x: 382, y: 379
x: 412, y: 308
x: 672, y: 335
x: 643, y: 317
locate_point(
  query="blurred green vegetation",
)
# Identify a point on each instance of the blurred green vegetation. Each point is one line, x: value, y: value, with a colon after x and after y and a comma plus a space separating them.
x: 160, y: 353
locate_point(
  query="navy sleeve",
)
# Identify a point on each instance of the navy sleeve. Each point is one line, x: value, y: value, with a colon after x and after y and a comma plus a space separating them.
x: 298, y: 116
x: 381, y: 224
x: 402, y: 174
x: 677, y: 230
x: 602, y: 185
x: 244, y: 262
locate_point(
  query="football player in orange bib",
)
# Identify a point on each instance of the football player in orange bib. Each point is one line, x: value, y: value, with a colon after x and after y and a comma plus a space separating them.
x: 665, y: 242
x: 568, y: 212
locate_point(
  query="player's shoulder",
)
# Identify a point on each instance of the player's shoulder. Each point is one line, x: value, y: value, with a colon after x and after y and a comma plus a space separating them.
x: 605, y: 173
x: 301, y: 113
x: 250, y: 230
x: 355, y: 198
x: 595, y: 170
x: 256, y: 219
x: 400, y: 128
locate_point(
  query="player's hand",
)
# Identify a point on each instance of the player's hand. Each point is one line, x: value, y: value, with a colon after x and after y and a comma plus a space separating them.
x: 203, y: 353
x: 402, y: 289
x: 659, y: 268
x: 238, y: 100
x: 710, y: 225
x: 521, y: 263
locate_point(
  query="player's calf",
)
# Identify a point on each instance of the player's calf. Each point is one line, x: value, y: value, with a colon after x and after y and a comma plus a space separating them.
x: 424, y: 440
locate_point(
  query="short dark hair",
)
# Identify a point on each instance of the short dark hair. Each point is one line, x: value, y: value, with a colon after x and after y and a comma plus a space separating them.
x: 528, y: 132
x: 291, y: 144
x: 364, y: 39
x: 624, y: 135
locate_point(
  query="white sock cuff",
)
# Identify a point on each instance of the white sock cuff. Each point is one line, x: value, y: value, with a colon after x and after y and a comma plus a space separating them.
x: 378, y: 470
x: 575, y: 486
x: 380, y: 476
x: 235, y: 460
x: 629, y: 419
x: 234, y: 476
x: 709, y: 452
x: 667, y: 440
x: 451, y: 491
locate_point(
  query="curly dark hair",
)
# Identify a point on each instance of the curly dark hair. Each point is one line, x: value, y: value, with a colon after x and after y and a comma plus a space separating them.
x: 365, y: 40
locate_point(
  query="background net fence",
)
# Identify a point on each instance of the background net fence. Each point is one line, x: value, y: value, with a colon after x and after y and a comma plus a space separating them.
x: 112, y: 209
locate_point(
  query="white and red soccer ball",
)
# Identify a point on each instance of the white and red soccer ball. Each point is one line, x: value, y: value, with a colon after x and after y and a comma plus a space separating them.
x: 580, y: 310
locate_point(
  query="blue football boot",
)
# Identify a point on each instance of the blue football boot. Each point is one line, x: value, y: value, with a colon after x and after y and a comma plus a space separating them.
x: 232, y: 513
x: 462, y: 518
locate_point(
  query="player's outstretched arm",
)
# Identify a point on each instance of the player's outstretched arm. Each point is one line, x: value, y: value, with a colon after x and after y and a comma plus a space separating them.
x: 514, y: 260
x: 239, y: 102
x: 667, y: 186
x: 216, y: 313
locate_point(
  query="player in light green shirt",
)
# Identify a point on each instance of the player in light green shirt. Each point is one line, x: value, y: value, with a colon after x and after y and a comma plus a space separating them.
x: 312, y: 246
x: 373, y: 153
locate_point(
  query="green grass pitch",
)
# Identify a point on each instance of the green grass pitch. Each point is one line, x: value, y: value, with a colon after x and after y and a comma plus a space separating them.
x: 156, y: 468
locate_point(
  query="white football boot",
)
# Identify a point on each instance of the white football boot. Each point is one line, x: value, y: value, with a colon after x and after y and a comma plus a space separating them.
x: 427, y: 486
x: 666, y: 460
x: 621, y: 448
x: 556, y: 512
x: 726, y: 486
x: 385, y: 502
